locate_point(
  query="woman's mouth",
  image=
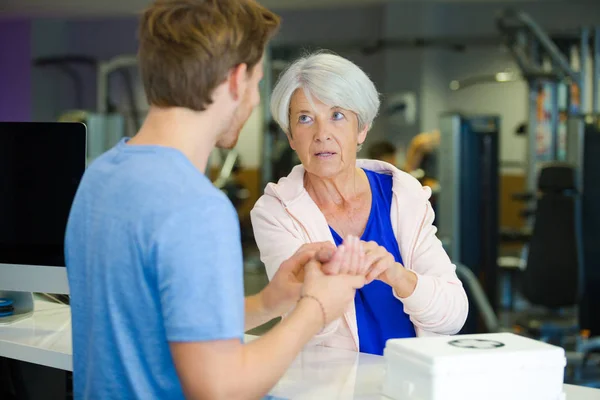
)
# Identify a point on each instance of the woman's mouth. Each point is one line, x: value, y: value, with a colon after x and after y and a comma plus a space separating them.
x: 325, y: 154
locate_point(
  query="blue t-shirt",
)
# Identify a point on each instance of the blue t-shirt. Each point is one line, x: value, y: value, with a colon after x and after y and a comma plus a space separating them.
x: 379, y: 315
x: 153, y: 256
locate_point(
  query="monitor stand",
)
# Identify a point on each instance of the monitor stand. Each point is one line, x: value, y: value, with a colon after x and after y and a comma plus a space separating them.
x: 22, y: 303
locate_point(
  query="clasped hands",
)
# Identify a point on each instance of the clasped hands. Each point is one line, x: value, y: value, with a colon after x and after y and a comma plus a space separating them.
x: 352, y: 258
x: 356, y: 257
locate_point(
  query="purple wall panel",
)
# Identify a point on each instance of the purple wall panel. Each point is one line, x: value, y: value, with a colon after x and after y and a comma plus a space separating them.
x: 15, y: 70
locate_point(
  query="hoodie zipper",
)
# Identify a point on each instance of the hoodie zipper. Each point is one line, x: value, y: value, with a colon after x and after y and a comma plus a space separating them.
x: 414, y: 246
x: 299, y: 223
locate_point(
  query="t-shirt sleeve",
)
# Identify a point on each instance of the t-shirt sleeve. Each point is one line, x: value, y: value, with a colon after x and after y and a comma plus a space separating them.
x: 199, y: 264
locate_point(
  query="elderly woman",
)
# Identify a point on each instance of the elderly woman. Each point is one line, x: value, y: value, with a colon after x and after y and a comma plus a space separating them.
x: 326, y: 105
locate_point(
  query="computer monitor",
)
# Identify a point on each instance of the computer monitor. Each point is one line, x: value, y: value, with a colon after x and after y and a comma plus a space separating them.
x: 41, y: 165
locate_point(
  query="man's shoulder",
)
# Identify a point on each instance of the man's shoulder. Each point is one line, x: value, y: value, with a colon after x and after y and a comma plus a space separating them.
x: 152, y: 191
x: 209, y: 210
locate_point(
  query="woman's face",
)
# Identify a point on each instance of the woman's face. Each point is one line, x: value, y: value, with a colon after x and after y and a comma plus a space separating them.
x: 325, y: 138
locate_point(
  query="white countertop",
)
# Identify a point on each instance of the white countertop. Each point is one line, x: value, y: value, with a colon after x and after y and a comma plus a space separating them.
x: 43, y: 339
x: 325, y: 373
x: 317, y: 373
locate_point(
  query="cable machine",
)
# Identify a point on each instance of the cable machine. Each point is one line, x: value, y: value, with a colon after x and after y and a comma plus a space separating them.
x: 563, y: 76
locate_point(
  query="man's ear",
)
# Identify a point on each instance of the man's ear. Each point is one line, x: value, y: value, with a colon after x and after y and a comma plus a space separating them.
x: 238, y: 81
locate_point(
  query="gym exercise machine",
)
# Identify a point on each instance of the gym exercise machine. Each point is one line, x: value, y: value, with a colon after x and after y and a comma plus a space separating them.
x: 105, y: 125
x: 563, y: 127
x: 468, y: 212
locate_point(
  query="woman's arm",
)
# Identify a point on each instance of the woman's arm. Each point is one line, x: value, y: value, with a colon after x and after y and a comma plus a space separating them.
x: 439, y: 302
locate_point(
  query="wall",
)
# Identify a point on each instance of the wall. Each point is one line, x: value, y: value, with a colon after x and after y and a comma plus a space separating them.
x: 52, y: 91
x: 103, y: 40
x: 15, y: 70
x: 508, y: 100
x: 330, y: 27
x: 424, y: 71
x: 471, y: 22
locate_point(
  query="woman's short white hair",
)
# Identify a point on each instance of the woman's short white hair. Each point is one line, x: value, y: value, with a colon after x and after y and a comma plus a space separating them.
x: 333, y: 80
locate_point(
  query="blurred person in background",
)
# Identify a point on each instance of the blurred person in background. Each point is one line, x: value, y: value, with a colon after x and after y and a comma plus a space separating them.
x: 383, y: 151
x: 421, y: 158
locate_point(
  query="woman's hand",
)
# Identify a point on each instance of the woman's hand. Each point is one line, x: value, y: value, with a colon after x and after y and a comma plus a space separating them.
x: 349, y: 259
x: 382, y: 265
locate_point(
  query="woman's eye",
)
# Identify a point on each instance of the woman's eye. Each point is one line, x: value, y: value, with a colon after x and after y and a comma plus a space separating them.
x: 304, y: 119
x: 338, y: 115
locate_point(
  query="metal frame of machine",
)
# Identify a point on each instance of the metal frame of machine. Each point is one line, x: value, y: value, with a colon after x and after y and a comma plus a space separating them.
x: 468, y: 211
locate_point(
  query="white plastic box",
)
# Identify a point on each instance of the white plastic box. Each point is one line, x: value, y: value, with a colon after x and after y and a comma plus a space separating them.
x: 499, y: 366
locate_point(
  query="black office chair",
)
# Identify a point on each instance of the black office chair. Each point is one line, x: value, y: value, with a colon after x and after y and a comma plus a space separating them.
x: 552, y: 277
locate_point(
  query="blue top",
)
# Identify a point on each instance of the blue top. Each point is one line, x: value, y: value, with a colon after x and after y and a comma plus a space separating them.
x: 153, y: 256
x: 379, y: 315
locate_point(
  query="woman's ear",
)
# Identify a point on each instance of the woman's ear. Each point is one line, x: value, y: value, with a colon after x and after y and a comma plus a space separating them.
x: 290, y: 139
x: 362, y: 135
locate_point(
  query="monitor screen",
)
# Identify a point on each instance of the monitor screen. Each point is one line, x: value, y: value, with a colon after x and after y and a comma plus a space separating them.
x: 41, y: 165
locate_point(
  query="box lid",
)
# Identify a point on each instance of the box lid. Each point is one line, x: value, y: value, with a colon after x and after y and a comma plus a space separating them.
x: 478, y: 352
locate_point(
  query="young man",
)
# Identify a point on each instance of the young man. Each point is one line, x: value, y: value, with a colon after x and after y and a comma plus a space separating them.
x: 153, y: 249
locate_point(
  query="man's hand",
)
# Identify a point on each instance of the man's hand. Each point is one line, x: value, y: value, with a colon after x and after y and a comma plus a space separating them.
x: 323, y: 252
x: 317, y: 247
x: 332, y: 292
x: 282, y: 293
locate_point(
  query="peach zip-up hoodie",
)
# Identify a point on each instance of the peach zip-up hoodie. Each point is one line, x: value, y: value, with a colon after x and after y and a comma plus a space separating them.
x: 286, y: 217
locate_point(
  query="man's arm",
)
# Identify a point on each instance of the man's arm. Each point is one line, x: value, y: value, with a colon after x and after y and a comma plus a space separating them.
x: 228, y: 369
x: 200, y: 284
x: 283, y: 291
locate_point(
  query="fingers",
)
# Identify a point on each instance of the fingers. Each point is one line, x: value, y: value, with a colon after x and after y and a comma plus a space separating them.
x: 316, y: 246
x: 296, y: 262
x: 375, y: 255
x: 353, y: 266
x: 325, y: 255
x: 355, y: 281
x: 386, y: 264
x: 334, y: 266
x: 363, y: 267
x: 378, y: 269
x: 322, y: 251
x: 312, y: 270
x: 347, y: 257
x: 369, y: 246
x: 353, y: 257
x: 327, y: 246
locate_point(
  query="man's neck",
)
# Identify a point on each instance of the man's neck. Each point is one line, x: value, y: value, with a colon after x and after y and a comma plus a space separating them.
x: 192, y: 133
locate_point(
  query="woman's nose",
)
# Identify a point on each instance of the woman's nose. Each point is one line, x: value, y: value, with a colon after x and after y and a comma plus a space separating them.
x: 322, y: 133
